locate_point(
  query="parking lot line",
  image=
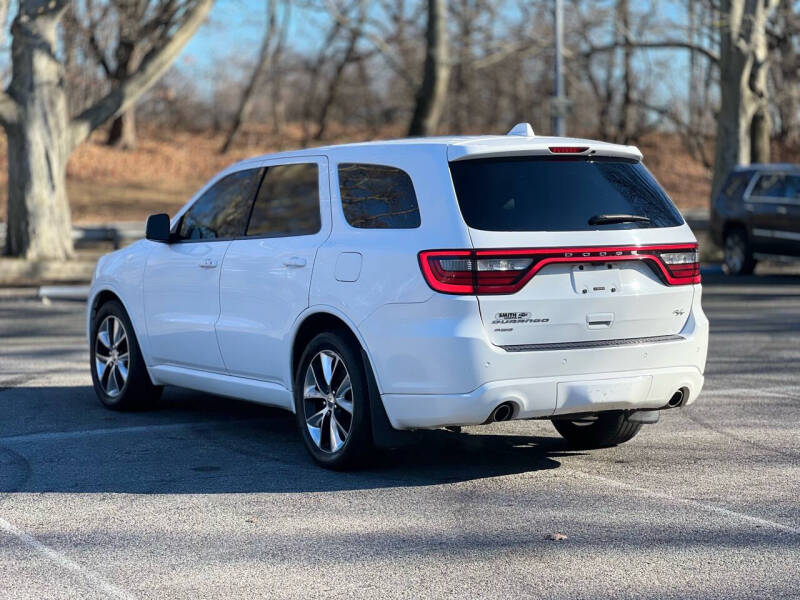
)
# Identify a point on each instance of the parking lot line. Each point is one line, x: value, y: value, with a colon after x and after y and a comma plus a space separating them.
x: 93, y: 578
x: 758, y: 521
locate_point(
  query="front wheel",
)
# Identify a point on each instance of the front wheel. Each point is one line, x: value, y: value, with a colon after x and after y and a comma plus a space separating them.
x: 119, y: 374
x: 597, y: 431
x: 332, y: 402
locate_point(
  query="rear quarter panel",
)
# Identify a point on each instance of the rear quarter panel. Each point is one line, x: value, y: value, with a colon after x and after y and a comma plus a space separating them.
x: 389, y: 270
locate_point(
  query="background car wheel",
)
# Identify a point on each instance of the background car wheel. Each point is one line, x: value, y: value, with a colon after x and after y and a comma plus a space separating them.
x: 332, y: 402
x: 119, y: 374
x: 738, y: 253
x: 597, y: 431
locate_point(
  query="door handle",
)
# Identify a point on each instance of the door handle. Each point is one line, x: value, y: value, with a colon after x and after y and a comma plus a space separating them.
x: 295, y: 261
x: 208, y: 263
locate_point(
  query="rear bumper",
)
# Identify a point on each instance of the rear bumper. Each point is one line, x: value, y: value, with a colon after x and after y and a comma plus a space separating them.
x: 435, y: 366
x: 545, y: 397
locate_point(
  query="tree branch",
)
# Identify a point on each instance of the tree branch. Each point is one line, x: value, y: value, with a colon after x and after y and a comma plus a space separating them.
x: 660, y: 44
x: 153, y: 66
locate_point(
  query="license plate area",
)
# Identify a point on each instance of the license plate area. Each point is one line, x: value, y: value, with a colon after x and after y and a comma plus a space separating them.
x: 595, y: 279
x: 604, y: 394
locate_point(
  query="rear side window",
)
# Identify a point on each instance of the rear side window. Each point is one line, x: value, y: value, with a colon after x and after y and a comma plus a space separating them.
x: 287, y: 202
x: 558, y: 194
x: 770, y: 186
x: 378, y: 197
x: 221, y: 212
x: 793, y: 187
x: 736, y: 184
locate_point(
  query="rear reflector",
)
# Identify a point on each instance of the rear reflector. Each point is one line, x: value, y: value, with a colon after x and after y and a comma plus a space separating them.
x: 568, y: 149
x: 507, y: 271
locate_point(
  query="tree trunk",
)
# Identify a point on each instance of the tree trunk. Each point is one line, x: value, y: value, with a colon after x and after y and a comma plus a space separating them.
x: 625, y: 123
x: 123, y: 131
x: 41, y: 135
x: 743, y: 86
x: 39, y: 224
x: 432, y: 93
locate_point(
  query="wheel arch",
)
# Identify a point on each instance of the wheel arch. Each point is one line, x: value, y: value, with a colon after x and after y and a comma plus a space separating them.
x: 102, y: 295
x: 732, y: 225
x: 324, y: 318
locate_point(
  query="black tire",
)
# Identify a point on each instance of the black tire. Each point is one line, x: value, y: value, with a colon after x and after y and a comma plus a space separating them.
x: 738, y: 253
x: 133, y: 392
x: 609, y: 429
x: 357, y: 445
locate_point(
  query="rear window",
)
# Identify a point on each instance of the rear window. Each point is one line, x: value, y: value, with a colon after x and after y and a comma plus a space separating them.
x: 558, y: 194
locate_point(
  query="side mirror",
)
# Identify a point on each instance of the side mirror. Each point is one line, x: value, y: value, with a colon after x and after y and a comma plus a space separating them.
x: 157, y: 229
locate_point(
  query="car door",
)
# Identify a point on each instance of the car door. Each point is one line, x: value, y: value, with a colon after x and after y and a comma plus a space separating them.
x: 181, y: 281
x: 769, y: 210
x: 266, y: 276
x: 791, y: 230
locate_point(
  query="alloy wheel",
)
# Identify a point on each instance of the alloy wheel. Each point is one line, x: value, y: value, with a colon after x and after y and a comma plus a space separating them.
x: 328, y: 401
x: 734, y: 253
x: 111, y: 356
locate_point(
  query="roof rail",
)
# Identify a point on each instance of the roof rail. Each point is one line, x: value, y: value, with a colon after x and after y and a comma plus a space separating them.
x: 522, y: 130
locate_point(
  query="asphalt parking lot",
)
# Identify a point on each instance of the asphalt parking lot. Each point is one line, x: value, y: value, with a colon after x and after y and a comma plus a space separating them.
x: 210, y: 498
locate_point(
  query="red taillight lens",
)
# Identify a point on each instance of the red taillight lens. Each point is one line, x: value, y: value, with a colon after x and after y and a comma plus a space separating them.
x: 683, y: 266
x: 507, y: 271
x: 462, y: 272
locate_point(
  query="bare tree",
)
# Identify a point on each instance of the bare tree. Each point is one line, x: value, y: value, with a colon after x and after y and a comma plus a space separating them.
x: 40, y: 131
x: 785, y: 42
x: 118, y: 34
x: 743, y: 121
x: 266, y: 66
x: 432, y: 94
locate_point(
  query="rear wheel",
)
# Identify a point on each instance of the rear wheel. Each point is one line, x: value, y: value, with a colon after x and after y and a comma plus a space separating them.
x: 119, y: 374
x: 597, y: 431
x: 332, y: 402
x: 738, y: 253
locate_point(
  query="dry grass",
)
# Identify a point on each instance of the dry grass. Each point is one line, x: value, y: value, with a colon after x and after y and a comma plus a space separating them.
x: 107, y: 184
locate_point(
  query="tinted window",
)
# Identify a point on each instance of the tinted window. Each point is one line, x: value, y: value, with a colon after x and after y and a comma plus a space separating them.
x: 770, y: 186
x: 221, y: 211
x: 793, y: 186
x: 562, y: 194
x: 378, y: 197
x: 287, y: 202
x: 736, y: 184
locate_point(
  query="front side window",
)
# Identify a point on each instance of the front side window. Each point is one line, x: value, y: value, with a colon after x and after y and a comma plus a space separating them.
x: 221, y: 212
x: 287, y: 202
x: 770, y: 186
x: 533, y: 193
x: 378, y: 197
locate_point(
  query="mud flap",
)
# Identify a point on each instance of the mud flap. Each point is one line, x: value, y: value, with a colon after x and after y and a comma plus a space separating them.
x: 383, y: 434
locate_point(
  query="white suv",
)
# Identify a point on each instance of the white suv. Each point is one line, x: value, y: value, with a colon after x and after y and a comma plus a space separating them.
x: 418, y: 283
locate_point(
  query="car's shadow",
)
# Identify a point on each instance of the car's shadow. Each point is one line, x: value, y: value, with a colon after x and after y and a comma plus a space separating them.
x: 58, y: 439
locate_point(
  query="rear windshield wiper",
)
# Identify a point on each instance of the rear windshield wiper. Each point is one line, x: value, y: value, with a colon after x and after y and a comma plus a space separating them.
x: 613, y: 219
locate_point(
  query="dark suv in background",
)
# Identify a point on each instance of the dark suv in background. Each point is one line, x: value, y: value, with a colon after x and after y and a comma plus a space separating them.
x: 756, y: 216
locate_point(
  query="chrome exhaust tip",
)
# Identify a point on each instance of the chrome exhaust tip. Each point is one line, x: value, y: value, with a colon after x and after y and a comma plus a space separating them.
x: 678, y: 398
x: 502, y: 412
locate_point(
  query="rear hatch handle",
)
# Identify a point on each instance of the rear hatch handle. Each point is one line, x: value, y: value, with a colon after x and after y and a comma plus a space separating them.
x: 599, y: 320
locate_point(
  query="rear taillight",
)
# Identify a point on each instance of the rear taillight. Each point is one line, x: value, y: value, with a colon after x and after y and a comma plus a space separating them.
x: 507, y: 271
x: 683, y: 265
